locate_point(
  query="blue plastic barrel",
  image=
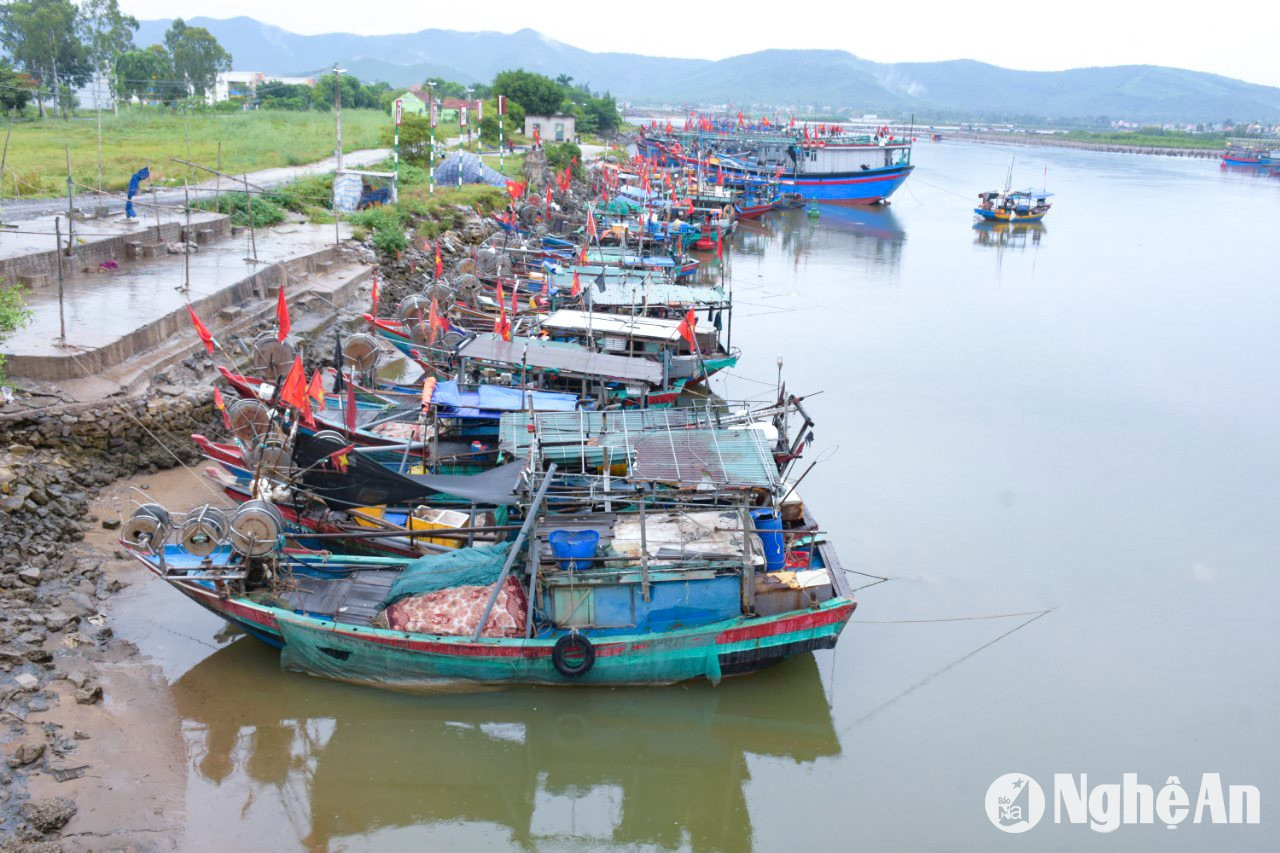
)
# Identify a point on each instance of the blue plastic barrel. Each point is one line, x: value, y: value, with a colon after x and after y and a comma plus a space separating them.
x: 568, y: 544
x: 769, y: 529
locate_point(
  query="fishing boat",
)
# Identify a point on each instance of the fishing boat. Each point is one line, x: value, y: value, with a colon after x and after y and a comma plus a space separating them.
x: 1013, y: 205
x: 697, y: 561
x: 839, y: 168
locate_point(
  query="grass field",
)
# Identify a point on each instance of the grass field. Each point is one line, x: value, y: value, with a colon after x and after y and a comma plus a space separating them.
x: 36, y: 161
x: 1139, y: 139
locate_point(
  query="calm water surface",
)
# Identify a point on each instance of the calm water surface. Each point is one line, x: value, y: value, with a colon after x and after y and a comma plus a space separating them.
x: 1080, y: 417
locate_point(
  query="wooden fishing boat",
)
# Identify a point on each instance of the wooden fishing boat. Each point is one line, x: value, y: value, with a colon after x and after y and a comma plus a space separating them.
x: 1013, y: 206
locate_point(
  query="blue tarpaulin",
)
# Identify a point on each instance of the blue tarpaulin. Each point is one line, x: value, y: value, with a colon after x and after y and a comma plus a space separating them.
x: 138, y: 177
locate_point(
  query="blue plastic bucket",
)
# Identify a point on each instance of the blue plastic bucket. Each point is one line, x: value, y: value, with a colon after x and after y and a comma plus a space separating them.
x: 568, y: 544
x: 769, y: 529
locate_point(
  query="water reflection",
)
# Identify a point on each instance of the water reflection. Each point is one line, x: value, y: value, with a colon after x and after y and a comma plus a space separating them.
x: 869, y: 239
x: 664, y: 766
x: 1008, y: 235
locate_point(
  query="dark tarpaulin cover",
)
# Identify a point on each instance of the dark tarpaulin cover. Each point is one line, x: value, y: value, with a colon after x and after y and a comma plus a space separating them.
x: 366, y: 482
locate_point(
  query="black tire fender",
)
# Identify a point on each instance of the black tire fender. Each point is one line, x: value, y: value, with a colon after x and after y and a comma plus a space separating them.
x: 573, y: 655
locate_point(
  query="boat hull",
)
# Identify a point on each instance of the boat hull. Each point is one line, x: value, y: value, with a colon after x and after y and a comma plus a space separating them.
x: 1002, y: 216
x: 384, y: 658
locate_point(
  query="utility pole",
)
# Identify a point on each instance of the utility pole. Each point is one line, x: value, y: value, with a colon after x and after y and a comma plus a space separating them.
x: 431, y: 138
x: 337, y: 105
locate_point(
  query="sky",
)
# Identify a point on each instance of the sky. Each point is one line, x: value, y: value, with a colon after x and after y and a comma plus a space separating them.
x: 1048, y: 35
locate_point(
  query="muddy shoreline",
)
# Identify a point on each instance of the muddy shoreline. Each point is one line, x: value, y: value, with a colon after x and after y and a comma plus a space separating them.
x: 1054, y: 142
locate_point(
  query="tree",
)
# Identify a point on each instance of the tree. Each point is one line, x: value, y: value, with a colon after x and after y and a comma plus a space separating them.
x: 512, y: 123
x: 16, y: 88
x: 538, y: 95
x: 196, y: 56
x: 42, y: 37
x: 108, y: 33
x: 416, y: 134
x: 147, y: 75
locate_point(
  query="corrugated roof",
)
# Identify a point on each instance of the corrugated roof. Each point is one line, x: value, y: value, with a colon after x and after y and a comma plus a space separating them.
x: 557, y: 356
x: 643, y: 328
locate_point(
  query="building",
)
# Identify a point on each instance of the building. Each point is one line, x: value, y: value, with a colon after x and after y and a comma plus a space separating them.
x: 451, y: 110
x: 412, y: 103
x: 236, y: 84
x: 554, y: 128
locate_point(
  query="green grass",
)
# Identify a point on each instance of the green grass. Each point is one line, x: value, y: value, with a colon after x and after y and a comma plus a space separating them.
x: 36, y: 163
x: 1147, y: 139
x: 512, y: 165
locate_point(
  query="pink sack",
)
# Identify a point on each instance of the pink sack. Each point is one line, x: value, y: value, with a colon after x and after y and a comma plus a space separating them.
x: 455, y: 612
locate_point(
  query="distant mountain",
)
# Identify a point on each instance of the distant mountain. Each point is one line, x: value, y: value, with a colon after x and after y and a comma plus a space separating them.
x: 819, y: 80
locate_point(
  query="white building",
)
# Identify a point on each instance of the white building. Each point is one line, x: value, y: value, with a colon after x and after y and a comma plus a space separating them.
x: 555, y: 128
x: 234, y: 84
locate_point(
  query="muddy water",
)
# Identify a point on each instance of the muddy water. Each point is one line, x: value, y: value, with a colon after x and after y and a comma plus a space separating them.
x: 1078, y: 418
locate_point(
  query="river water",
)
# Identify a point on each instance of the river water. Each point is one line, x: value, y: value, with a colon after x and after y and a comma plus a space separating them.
x: 1079, y: 418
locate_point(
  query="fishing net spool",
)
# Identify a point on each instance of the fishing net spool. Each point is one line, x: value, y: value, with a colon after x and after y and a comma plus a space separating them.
x: 270, y: 458
x: 360, y: 351
x: 272, y: 359
x: 256, y: 528
x: 203, y: 530
x: 147, y: 529
x: 490, y: 263
x: 413, y: 306
x: 251, y: 421
x: 467, y: 266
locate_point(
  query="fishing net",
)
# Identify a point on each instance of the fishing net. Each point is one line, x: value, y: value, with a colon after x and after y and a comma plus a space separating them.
x: 476, y: 566
x: 474, y: 171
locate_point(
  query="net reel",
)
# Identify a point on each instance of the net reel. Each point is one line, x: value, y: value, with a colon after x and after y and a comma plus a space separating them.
x: 360, y: 352
x: 203, y: 530
x: 147, y: 529
x: 251, y: 421
x: 272, y: 359
x: 256, y: 528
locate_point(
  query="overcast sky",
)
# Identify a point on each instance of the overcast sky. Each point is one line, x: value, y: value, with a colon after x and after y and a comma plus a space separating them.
x: 1234, y: 39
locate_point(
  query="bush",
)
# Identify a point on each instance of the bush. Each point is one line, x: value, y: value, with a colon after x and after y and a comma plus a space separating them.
x: 14, y: 314
x: 236, y: 205
x: 563, y: 154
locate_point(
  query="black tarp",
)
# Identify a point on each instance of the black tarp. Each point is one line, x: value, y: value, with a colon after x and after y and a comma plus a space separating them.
x: 367, y: 482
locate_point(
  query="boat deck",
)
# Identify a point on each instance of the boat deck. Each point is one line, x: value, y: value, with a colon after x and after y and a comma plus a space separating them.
x: 353, y: 600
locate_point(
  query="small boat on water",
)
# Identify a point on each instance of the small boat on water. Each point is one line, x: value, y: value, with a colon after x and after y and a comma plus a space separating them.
x: 1013, y: 205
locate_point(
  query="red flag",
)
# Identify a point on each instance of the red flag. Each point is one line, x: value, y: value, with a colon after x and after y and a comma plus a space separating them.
x: 515, y: 189
x: 201, y: 330
x: 548, y: 195
x: 428, y: 390
x: 577, y: 285
x: 294, y: 391
x: 500, y: 324
x: 282, y: 314
x: 582, y: 259
x: 719, y: 245
x: 433, y: 317
x: 375, y: 293
x: 439, y: 261
x: 315, y: 390
x: 515, y: 300
x: 687, y: 327
x: 591, y: 226
x: 221, y: 406
x: 719, y: 176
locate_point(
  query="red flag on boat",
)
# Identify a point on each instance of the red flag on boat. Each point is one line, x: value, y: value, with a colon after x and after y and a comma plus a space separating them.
x: 201, y: 330
x: 428, y: 390
x: 439, y: 261
x: 375, y: 293
x: 719, y: 176
x: 719, y: 245
x: 433, y: 319
x: 577, y: 285
x: 282, y: 314
x: 221, y: 406
x: 591, y: 226
x: 294, y: 391
x: 349, y: 411
x: 687, y: 327
x: 315, y: 389
x: 515, y: 189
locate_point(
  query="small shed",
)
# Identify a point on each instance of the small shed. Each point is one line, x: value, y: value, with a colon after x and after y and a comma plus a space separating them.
x: 552, y: 128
